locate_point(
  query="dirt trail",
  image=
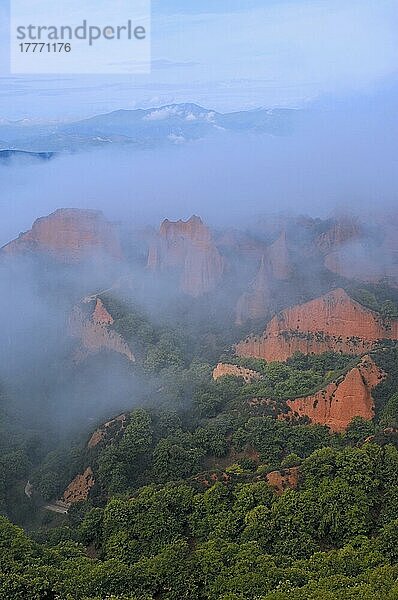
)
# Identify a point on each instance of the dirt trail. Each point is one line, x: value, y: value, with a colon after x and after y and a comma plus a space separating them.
x: 57, y: 508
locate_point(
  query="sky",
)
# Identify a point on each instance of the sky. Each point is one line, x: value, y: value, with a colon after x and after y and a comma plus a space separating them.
x: 228, y: 55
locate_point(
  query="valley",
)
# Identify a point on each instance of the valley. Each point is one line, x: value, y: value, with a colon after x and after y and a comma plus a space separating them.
x: 195, y: 396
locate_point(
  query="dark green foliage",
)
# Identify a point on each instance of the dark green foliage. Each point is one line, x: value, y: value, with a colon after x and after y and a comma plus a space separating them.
x: 389, y: 416
x: 323, y: 364
x: 378, y: 297
x: 176, y: 457
x: 122, y: 463
x: 182, y: 508
x: 359, y: 430
x: 301, y: 375
x: 275, y: 440
x: 233, y: 540
x: 387, y: 360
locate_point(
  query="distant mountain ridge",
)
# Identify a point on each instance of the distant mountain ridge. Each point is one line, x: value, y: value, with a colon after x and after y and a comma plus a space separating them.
x: 7, y: 155
x: 173, y: 124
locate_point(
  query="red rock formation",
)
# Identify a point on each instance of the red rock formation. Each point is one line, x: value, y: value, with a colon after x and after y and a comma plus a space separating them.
x: 283, y: 480
x: 223, y: 369
x: 341, y: 401
x: 94, y: 333
x: 342, y: 248
x: 187, y: 248
x: 341, y: 231
x: 365, y: 255
x: 101, y: 315
x: 255, y: 304
x: 101, y: 433
x: 333, y: 322
x: 79, y: 488
x: 360, y: 262
x: 240, y: 244
x: 278, y: 256
x: 69, y: 235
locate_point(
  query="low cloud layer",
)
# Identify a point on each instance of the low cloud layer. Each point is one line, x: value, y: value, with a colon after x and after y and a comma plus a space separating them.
x: 341, y: 157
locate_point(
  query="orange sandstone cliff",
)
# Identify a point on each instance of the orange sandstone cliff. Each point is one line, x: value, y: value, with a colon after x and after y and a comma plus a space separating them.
x: 356, y: 252
x: 342, y: 400
x: 283, y: 480
x: 69, y: 235
x: 93, y: 331
x: 359, y: 262
x: 113, y: 428
x: 341, y: 231
x: 255, y: 303
x: 334, y: 322
x: 79, y: 488
x: 275, y: 266
x: 187, y: 248
x: 279, y: 258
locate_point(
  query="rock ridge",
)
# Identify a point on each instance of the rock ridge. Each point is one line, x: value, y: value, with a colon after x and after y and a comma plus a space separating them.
x: 342, y: 400
x: 69, y: 235
x: 334, y: 322
x: 187, y: 249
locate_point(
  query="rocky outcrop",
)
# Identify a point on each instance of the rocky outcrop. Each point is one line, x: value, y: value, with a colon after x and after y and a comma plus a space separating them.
x: 279, y: 259
x: 100, y: 315
x: 340, y: 232
x: 363, y: 253
x: 92, y: 328
x: 255, y: 304
x: 79, y: 489
x: 342, y: 400
x: 111, y: 428
x: 275, y: 266
x: 186, y: 248
x: 223, y: 369
x: 247, y: 248
x: 335, y: 322
x: 69, y: 235
x: 283, y: 480
x: 363, y: 263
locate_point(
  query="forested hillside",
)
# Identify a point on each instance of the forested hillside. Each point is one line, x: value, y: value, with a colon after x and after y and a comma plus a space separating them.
x: 169, y: 433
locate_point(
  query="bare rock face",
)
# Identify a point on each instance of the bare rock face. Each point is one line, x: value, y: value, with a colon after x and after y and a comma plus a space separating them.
x: 69, y: 235
x: 223, y: 369
x: 278, y: 255
x: 100, y: 315
x: 79, y: 488
x: 352, y: 262
x: 242, y: 245
x: 333, y: 322
x: 255, y: 304
x: 275, y: 266
x: 187, y: 248
x: 283, y: 480
x: 341, y: 401
x: 92, y: 330
x: 111, y: 428
x: 344, y: 252
x: 362, y: 263
x: 341, y: 232
x: 368, y: 254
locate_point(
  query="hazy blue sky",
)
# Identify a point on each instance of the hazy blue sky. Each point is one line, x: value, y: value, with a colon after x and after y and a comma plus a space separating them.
x: 231, y: 54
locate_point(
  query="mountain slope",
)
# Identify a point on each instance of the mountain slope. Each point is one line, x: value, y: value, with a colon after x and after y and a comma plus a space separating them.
x: 149, y: 128
x: 333, y: 322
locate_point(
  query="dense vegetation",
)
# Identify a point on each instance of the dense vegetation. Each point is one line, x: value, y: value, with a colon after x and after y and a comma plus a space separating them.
x: 300, y: 375
x: 378, y: 297
x: 182, y: 506
x: 333, y: 537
